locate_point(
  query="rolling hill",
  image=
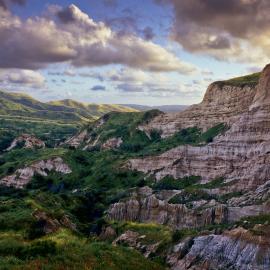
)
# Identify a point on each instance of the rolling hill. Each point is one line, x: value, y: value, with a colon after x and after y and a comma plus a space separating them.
x: 67, y: 111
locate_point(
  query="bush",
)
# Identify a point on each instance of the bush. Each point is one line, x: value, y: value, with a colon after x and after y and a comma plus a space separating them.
x: 181, y: 234
x: 38, y: 249
x: 169, y: 183
x: 189, y: 196
x: 36, y: 229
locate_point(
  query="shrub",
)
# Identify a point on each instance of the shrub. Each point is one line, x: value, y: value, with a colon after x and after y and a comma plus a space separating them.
x: 179, y: 235
x: 169, y: 183
x: 37, y: 249
x: 189, y: 196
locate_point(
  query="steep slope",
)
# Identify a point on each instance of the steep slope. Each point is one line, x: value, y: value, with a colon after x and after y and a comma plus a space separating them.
x: 240, y: 155
x: 223, y: 101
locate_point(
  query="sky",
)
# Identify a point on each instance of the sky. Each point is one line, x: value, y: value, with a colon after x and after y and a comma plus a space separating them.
x: 149, y: 52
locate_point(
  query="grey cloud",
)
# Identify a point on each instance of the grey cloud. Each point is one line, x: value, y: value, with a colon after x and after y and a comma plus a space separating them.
x: 98, y: 88
x: 5, y: 3
x: 110, y: 3
x: 148, y: 33
x: 126, y: 87
x: 224, y: 29
x: 66, y: 16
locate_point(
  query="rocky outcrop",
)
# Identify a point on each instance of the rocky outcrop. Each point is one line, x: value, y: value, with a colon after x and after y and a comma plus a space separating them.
x: 84, y: 138
x: 27, y: 141
x: 112, y: 143
x: 238, y: 249
x: 23, y: 176
x: 77, y: 140
x: 47, y: 224
x: 135, y: 240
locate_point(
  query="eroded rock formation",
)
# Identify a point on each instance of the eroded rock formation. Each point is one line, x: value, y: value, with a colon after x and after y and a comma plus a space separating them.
x: 240, y: 156
x: 144, y: 205
x: 27, y: 141
x: 23, y: 176
x: 236, y: 249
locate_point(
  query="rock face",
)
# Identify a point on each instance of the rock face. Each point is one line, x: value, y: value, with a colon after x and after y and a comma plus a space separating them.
x: 28, y: 141
x: 221, y: 104
x: 241, y: 156
x: 50, y: 225
x: 23, y: 176
x: 237, y: 249
x: 83, y: 138
x: 145, y: 206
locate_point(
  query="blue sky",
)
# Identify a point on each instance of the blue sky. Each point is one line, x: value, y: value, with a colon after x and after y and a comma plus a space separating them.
x: 123, y: 51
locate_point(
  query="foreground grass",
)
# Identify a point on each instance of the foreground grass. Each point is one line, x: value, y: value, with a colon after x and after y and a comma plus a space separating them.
x: 65, y: 250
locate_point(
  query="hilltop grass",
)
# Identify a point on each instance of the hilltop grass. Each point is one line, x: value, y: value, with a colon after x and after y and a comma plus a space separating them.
x: 248, y: 80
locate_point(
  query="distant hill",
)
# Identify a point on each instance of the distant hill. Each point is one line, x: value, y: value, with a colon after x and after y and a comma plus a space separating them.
x: 67, y: 111
x: 163, y: 108
x: 91, y: 110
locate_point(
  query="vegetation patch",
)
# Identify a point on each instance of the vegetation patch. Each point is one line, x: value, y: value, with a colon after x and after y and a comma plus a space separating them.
x: 190, y: 195
x: 64, y: 250
x: 169, y: 183
x: 248, y: 80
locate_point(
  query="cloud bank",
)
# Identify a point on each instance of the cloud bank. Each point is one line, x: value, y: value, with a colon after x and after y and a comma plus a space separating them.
x: 69, y: 35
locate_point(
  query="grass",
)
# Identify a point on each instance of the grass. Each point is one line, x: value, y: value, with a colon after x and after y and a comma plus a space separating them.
x: 24, y: 157
x: 50, y: 132
x: 248, y: 80
x: 153, y: 233
x: 249, y: 222
x: 64, y: 250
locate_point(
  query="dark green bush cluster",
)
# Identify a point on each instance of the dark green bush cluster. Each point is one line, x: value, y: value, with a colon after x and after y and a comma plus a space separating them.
x: 169, y: 183
x: 189, y: 196
x: 27, y: 251
x: 179, y: 235
x: 211, y: 133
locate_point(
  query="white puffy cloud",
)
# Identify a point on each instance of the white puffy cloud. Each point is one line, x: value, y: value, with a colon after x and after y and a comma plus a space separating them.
x: 69, y: 35
x: 22, y: 78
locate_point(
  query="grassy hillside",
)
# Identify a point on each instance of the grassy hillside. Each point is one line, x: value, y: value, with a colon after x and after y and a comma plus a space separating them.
x: 66, y: 111
x: 52, y: 122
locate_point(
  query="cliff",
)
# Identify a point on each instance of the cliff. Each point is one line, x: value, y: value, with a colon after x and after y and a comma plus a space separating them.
x: 234, y: 175
x: 240, y: 156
